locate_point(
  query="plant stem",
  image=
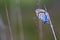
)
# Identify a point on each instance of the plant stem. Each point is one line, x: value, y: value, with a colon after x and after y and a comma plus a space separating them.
x: 8, y: 22
x: 40, y: 30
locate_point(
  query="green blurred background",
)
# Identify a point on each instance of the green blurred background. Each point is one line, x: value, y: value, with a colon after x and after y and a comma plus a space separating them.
x: 21, y: 15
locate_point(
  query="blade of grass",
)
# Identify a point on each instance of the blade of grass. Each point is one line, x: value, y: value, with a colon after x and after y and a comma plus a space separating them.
x: 51, y: 25
x: 20, y: 21
x: 8, y: 21
x: 53, y: 30
x: 40, y: 30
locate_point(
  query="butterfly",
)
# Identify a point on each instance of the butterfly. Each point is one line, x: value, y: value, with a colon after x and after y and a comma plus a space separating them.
x: 42, y: 15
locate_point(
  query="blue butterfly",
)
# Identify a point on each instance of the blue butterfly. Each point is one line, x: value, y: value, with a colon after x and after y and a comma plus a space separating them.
x: 42, y: 15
